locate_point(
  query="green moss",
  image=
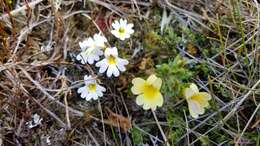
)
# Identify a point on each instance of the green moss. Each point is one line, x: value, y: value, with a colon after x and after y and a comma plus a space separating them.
x: 137, y: 137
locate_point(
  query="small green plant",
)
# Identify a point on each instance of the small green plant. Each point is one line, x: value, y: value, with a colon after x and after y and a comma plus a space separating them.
x: 174, y: 74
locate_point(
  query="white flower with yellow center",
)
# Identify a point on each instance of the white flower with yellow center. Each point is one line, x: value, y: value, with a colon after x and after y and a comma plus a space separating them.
x: 112, y: 63
x: 197, y: 101
x: 91, y: 49
x: 91, y: 90
x: 148, y: 91
x: 121, y: 29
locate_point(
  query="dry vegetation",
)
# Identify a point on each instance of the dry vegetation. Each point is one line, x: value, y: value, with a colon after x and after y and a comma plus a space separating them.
x: 217, y: 42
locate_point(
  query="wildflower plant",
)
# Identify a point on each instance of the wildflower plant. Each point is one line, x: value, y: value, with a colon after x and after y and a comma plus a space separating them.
x: 112, y: 63
x: 91, y: 89
x: 121, y: 29
x: 197, y: 101
x: 93, y: 48
x: 148, y: 91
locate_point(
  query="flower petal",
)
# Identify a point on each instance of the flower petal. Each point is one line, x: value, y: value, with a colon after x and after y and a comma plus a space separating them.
x: 155, y: 81
x: 140, y: 100
x: 121, y: 64
x: 111, y: 51
x: 138, y: 85
x: 109, y: 71
x: 115, y: 71
x: 195, y: 109
x: 191, y: 90
x: 202, y: 98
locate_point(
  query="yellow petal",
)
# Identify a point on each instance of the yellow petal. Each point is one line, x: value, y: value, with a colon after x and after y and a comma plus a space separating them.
x: 140, y: 99
x: 155, y: 81
x: 202, y: 98
x: 159, y: 100
x: 150, y: 103
x: 206, y: 95
x: 191, y: 90
x: 138, y: 85
x: 195, y: 109
x: 156, y: 101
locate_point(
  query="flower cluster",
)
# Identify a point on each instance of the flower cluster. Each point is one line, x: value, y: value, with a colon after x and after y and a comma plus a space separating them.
x: 96, y: 47
x: 149, y: 95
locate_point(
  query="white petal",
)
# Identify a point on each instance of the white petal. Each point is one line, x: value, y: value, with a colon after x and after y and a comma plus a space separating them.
x: 99, y: 93
x: 130, y: 26
x: 103, y: 65
x: 99, y: 40
x: 111, y: 51
x: 101, y: 62
x: 84, y: 94
x: 109, y: 71
x: 86, y: 43
x: 98, y: 52
x: 95, y: 96
x: 95, y: 57
x: 195, y: 109
x: 115, y: 33
x: 121, y: 64
x: 116, y: 25
x: 122, y: 37
x: 89, y: 96
x: 81, y: 89
x: 123, y: 22
x: 115, y: 71
x: 127, y: 35
x: 90, y: 59
x: 101, y: 88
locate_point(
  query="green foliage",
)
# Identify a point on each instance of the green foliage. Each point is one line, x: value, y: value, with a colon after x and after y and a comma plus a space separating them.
x: 137, y: 137
x: 174, y: 119
x: 165, y: 43
x: 174, y: 74
x: 204, y: 140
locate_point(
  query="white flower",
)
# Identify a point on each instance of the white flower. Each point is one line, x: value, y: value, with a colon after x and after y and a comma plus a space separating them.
x: 91, y: 90
x: 121, y: 29
x: 36, y: 120
x: 91, y: 49
x: 112, y: 63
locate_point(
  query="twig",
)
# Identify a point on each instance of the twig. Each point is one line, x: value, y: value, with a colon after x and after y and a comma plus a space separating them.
x: 102, y: 118
x: 78, y: 113
x: 20, y: 9
x: 160, y: 128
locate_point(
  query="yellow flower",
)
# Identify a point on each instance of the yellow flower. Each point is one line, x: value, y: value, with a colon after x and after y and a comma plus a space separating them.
x: 148, y: 91
x: 197, y: 101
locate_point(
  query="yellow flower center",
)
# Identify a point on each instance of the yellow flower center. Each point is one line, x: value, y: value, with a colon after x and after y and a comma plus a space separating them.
x: 92, y: 87
x: 150, y: 91
x: 121, y: 30
x: 111, y: 60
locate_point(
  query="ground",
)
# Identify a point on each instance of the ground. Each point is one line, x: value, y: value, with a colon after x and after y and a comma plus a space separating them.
x: 212, y: 43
